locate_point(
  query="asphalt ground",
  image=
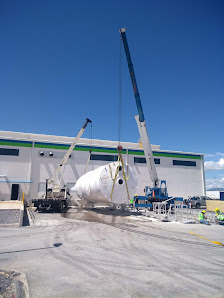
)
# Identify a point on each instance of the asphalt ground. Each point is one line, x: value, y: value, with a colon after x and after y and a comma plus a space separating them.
x: 100, y: 254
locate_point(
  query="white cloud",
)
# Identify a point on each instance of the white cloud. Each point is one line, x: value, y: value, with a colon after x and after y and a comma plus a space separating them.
x: 214, y: 165
x: 215, y: 155
x: 209, y: 185
x: 209, y: 155
x: 220, y: 153
x: 214, y: 183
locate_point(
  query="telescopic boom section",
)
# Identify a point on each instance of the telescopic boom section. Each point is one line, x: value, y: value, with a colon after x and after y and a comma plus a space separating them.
x: 66, y: 157
x: 140, y: 119
x: 132, y: 74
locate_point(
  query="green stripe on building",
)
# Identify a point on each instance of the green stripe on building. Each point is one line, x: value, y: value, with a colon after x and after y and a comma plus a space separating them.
x: 17, y: 144
x: 136, y: 152
x: 62, y: 147
x: 166, y: 155
x: 177, y: 155
x: 77, y: 148
x: 103, y: 150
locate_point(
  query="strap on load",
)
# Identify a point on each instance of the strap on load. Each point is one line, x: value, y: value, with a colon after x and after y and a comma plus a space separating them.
x: 120, y: 159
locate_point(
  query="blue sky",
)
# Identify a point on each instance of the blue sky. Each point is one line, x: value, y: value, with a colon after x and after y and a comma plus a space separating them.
x: 60, y: 64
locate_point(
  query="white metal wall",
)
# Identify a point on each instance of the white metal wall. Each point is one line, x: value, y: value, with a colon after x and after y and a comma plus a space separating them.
x: 15, y: 170
x: 182, y: 181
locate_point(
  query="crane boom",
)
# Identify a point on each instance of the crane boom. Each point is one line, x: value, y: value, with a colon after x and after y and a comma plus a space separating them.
x: 140, y: 119
x: 56, y: 196
x: 66, y: 157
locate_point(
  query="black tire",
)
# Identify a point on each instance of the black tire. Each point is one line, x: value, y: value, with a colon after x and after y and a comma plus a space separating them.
x: 57, y: 207
x: 198, y: 205
x: 61, y: 207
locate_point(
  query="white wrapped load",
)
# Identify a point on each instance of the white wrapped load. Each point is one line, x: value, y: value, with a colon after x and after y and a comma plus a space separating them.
x: 107, y: 184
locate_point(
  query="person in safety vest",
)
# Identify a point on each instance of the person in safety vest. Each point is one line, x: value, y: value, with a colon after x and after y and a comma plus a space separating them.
x: 217, y: 211
x: 219, y: 217
x: 202, y: 218
x: 131, y: 202
x: 136, y: 201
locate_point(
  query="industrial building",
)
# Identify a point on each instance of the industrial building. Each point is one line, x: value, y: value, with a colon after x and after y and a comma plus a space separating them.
x: 27, y: 160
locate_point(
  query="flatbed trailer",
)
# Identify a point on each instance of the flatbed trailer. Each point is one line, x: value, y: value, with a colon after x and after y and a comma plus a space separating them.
x: 55, y: 204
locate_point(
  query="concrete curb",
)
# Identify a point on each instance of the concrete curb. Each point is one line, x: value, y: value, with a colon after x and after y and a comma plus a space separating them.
x: 31, y: 216
x: 21, y: 215
x: 13, y: 205
x: 14, y: 284
x: 20, y: 286
x: 10, y: 225
x: 10, y: 205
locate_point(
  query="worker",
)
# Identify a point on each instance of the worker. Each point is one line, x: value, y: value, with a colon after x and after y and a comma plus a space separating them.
x: 202, y: 218
x: 136, y: 201
x: 189, y: 202
x: 217, y: 211
x: 131, y: 202
x: 219, y: 217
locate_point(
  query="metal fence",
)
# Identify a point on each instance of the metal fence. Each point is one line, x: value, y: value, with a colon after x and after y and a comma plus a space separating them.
x: 178, y: 212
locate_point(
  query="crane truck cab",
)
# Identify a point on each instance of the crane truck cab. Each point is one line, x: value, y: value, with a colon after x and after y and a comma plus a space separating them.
x: 157, y: 194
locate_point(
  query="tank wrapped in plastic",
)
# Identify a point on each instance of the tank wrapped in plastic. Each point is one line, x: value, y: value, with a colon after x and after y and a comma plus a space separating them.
x: 113, y: 183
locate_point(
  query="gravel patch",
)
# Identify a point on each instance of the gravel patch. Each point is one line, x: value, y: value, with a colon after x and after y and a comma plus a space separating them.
x: 6, y: 283
x: 12, y: 285
x: 9, y: 216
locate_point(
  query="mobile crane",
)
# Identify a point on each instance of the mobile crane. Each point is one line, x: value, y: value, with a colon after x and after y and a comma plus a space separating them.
x: 155, y: 193
x: 56, y: 193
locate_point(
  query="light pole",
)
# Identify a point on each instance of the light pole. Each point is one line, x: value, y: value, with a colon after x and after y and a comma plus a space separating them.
x: 215, y: 183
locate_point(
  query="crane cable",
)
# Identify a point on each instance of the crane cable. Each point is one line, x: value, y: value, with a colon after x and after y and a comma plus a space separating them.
x: 119, y: 148
x: 90, y: 150
x: 120, y: 95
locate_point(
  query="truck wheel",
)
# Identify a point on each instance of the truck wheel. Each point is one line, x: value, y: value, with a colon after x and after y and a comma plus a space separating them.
x: 198, y: 205
x: 60, y: 207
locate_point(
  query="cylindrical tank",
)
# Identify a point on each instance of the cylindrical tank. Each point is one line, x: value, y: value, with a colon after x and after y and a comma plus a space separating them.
x: 96, y: 186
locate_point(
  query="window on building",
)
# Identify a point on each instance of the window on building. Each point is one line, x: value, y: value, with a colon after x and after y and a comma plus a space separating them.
x: 103, y: 157
x: 6, y: 151
x: 143, y: 160
x: 184, y: 163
